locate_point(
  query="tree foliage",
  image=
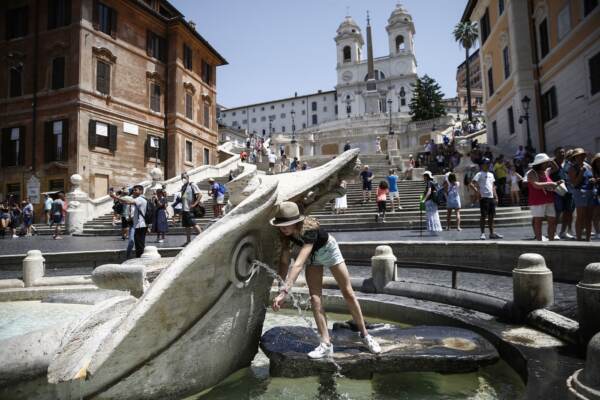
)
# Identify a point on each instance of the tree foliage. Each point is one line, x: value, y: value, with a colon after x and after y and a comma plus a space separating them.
x: 466, y: 34
x: 427, y: 99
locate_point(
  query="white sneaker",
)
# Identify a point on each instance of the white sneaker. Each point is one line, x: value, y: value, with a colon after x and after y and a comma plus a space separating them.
x: 556, y: 237
x: 482, y: 237
x: 566, y: 235
x: 544, y: 239
x: 399, y: 208
x: 372, y: 344
x: 323, y: 350
x: 15, y: 237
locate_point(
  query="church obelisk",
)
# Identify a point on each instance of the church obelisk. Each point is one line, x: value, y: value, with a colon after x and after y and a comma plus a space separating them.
x: 371, y: 96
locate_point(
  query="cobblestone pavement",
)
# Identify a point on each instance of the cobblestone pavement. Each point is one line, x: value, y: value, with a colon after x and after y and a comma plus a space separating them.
x: 86, y: 243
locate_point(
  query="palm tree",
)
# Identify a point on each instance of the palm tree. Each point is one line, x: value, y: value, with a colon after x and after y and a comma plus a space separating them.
x: 466, y: 34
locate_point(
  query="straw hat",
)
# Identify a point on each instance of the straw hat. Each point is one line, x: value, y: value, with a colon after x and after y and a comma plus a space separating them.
x: 540, y: 159
x: 577, y: 152
x: 595, y: 158
x: 429, y: 174
x: 287, y: 214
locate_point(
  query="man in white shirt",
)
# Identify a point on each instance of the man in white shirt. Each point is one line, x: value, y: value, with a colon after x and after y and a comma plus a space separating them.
x: 272, y: 161
x: 140, y: 205
x: 483, y: 185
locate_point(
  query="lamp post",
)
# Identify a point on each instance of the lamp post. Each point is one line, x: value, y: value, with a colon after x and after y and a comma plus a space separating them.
x: 391, y: 132
x: 525, y: 102
x: 293, y: 127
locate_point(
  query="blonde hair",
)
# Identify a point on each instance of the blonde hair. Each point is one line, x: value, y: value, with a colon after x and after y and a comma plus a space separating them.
x: 309, y: 224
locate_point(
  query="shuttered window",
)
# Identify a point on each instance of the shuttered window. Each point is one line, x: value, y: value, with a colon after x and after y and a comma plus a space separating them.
x: 103, y: 77
x: 188, y: 106
x: 484, y: 24
x: 187, y: 57
x: 155, y: 147
x: 595, y: 74
x: 16, y: 81
x: 101, y: 134
x: 206, y: 72
x: 105, y: 18
x: 206, y: 115
x: 154, y: 97
x: 56, y: 135
x: 58, y: 73
x: 490, y: 76
x: 549, y: 105
x: 156, y: 46
x: 544, y: 40
x: 12, y: 144
x: 59, y: 13
x: 16, y: 22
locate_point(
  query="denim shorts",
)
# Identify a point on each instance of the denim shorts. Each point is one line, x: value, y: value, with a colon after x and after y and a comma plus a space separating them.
x: 583, y: 198
x: 328, y: 255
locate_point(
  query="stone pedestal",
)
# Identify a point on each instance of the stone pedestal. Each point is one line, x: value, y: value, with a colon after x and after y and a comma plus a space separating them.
x: 532, y: 284
x: 588, y: 302
x: 584, y: 384
x: 156, y: 175
x: 78, y: 206
x: 383, y: 267
x: 295, y: 150
x: 121, y: 277
x: 33, y: 267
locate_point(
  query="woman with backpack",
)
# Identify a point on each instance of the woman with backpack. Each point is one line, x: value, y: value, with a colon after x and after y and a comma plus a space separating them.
x: 381, y: 198
x: 317, y: 249
x: 431, y: 198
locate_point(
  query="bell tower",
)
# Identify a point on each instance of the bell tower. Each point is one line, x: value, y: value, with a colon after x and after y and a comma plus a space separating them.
x: 349, y: 42
x: 400, y: 29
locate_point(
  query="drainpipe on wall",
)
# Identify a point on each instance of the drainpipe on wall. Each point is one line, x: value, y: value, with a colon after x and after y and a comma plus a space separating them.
x: 35, y: 85
x: 536, y: 79
x: 166, y: 99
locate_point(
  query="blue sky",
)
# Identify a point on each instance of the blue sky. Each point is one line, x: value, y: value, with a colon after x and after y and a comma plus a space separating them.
x: 278, y: 47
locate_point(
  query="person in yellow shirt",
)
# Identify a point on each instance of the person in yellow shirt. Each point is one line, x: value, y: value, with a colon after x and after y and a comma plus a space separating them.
x: 501, y: 173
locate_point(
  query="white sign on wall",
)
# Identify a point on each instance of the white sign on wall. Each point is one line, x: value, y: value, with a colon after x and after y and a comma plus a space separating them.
x: 132, y: 129
x: 33, y: 189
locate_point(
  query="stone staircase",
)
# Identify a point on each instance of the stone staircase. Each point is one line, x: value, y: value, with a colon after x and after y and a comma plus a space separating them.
x: 358, y: 216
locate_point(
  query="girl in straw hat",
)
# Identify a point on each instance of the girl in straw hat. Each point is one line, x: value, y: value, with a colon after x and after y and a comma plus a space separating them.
x: 540, y: 194
x: 317, y: 249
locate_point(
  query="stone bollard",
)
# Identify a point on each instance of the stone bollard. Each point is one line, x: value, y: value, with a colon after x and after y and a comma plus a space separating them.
x: 383, y: 267
x: 584, y: 384
x: 588, y: 302
x: 532, y: 284
x: 33, y: 267
x: 150, y: 252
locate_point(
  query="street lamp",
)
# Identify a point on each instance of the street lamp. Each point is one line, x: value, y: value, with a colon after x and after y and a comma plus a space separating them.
x: 525, y: 102
x: 293, y: 127
x: 390, y: 112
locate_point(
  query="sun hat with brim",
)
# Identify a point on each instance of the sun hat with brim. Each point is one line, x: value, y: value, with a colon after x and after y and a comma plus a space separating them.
x: 540, y: 159
x: 428, y: 173
x: 287, y: 214
x: 595, y: 158
x: 577, y: 152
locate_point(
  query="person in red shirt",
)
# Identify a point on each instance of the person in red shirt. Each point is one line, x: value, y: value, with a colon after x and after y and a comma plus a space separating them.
x: 382, y: 192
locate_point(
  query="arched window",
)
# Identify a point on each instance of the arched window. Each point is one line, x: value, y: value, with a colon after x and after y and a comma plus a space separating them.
x: 400, y: 43
x: 347, y: 54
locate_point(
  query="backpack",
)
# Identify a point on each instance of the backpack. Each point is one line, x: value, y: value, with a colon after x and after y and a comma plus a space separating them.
x: 222, y: 189
x: 436, y: 196
x: 118, y: 208
x: 150, y: 212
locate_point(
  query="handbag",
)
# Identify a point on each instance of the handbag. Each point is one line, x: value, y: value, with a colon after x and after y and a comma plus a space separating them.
x: 561, y: 189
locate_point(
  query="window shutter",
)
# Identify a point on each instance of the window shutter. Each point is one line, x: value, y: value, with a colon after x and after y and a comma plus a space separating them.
x: 49, y: 142
x: 67, y: 12
x: 58, y: 73
x: 162, y: 50
x: 92, y: 134
x: 22, y: 143
x: 65, y: 140
x: 163, y: 150
x: 4, y: 146
x: 95, y: 17
x: 147, y: 150
x: 149, y: 43
x: 112, y: 137
x: 113, y: 23
x: 52, y: 14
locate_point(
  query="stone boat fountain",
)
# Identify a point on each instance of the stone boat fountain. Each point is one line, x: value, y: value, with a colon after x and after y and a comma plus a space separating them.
x: 199, y: 321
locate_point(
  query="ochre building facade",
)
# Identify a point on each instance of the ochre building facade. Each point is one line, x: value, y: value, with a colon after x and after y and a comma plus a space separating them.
x: 106, y: 89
